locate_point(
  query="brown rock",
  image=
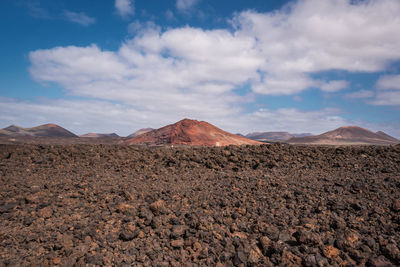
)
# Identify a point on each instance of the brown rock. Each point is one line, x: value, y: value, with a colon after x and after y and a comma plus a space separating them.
x: 125, y: 208
x: 379, y: 262
x: 254, y: 255
x: 396, y: 205
x: 330, y: 252
x: 351, y: 238
x: 65, y: 241
x: 265, y: 242
x: 289, y: 259
x: 158, y: 206
x: 177, y: 231
x: 177, y: 243
x: 57, y: 261
x: 46, y: 212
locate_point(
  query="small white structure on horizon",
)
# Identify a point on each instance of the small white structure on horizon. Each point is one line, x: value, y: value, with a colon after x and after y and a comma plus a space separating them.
x: 217, y: 144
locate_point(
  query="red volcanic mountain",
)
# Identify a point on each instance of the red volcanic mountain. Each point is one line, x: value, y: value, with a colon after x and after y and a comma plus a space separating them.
x: 191, y: 132
x: 348, y: 135
x: 46, y: 130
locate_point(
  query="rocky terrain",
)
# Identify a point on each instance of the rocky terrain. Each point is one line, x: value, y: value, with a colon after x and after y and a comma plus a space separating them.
x: 95, y: 205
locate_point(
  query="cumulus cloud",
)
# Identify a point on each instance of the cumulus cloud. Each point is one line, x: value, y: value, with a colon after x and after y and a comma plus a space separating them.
x: 125, y: 8
x: 80, y: 18
x: 186, y: 5
x: 293, y: 120
x: 389, y: 82
x: 312, y: 36
x: 388, y: 91
x: 191, y: 72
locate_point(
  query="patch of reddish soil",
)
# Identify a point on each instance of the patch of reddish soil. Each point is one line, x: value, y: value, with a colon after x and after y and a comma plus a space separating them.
x: 191, y: 132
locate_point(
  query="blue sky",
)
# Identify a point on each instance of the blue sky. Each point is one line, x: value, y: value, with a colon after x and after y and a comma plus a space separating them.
x: 121, y: 65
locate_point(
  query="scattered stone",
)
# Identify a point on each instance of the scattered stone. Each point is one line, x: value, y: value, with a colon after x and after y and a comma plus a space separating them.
x: 330, y: 252
x: 254, y: 255
x: 378, y: 262
x: 46, y: 212
x: 396, y: 205
x: 177, y: 243
x: 158, y: 207
x: 265, y: 243
x: 113, y: 205
x: 289, y: 259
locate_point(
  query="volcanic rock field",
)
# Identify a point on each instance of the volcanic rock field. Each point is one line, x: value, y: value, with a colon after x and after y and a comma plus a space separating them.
x: 263, y: 205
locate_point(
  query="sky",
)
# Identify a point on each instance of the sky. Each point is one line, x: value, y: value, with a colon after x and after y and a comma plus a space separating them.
x: 306, y: 66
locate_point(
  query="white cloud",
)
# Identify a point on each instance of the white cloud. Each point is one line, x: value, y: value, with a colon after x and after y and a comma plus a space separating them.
x: 295, y: 121
x: 191, y: 72
x: 125, y: 8
x: 186, y: 5
x: 275, y: 52
x: 388, y: 91
x: 334, y: 86
x: 359, y: 94
x: 388, y: 82
x: 387, y: 98
x: 312, y: 36
x: 80, y: 18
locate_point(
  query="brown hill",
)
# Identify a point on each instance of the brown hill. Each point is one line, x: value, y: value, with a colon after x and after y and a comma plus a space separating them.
x: 99, y: 135
x: 46, y: 130
x: 140, y: 132
x: 191, y: 132
x: 347, y: 135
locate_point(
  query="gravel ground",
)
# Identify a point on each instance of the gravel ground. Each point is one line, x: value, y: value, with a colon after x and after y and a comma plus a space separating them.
x: 114, y: 205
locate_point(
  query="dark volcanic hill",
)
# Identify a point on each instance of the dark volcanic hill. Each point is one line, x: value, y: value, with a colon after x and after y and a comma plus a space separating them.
x: 46, y: 130
x: 140, y: 132
x: 347, y: 135
x: 99, y: 135
x: 191, y: 132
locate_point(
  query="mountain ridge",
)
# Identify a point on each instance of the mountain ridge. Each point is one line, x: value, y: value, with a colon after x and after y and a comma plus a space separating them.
x: 45, y: 130
x: 347, y: 135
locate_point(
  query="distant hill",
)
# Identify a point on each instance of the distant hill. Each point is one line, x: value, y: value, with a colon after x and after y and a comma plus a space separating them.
x: 274, y: 136
x: 190, y: 132
x: 139, y: 132
x: 46, y: 130
x: 347, y: 135
x: 99, y: 135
